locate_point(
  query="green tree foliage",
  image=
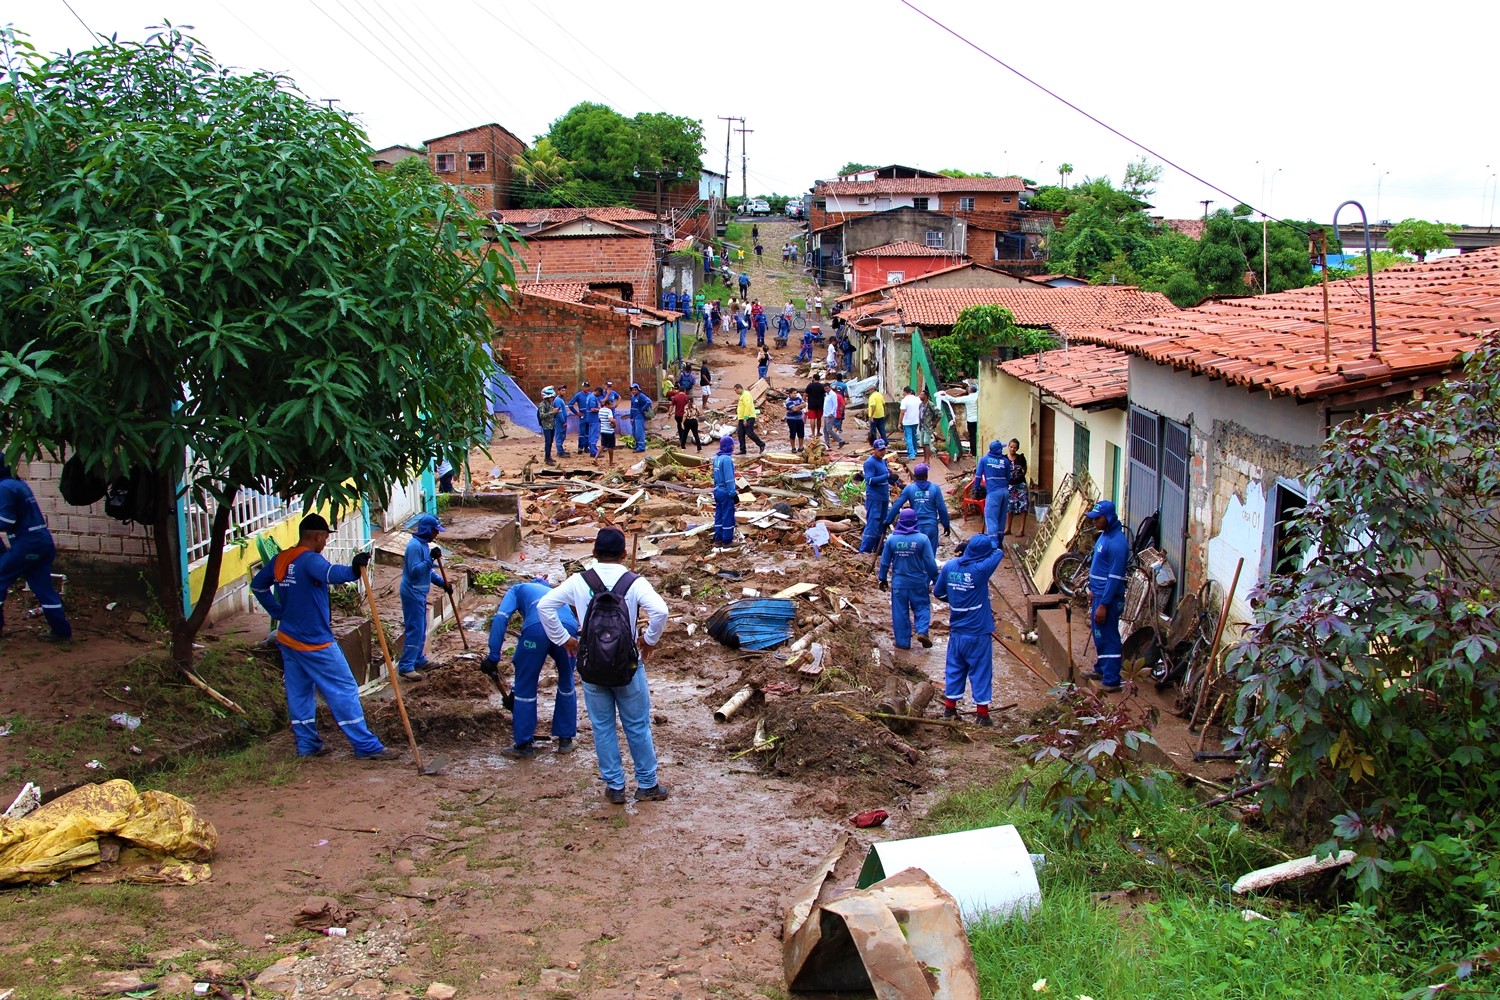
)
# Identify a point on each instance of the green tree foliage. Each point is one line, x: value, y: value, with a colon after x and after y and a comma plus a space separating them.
x: 1141, y: 178
x: 1050, y: 198
x: 543, y: 177
x: 1417, y: 237
x: 1370, y: 681
x: 980, y: 332
x: 954, y: 172
x: 1231, y: 248
x: 605, y: 149
x: 1064, y: 171
x: 1359, y: 264
x: 201, y: 263
x: 854, y: 167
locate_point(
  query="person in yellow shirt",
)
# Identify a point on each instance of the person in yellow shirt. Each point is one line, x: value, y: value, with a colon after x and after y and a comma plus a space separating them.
x: 745, y: 414
x: 875, y: 410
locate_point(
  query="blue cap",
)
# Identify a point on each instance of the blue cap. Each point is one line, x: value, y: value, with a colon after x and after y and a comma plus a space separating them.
x: 428, y: 525
x: 879, y: 444
x: 1104, y: 508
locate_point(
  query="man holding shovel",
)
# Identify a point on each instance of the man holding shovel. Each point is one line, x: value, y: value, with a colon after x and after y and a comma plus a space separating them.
x: 532, y: 649
x: 418, y: 574
x: 310, y: 655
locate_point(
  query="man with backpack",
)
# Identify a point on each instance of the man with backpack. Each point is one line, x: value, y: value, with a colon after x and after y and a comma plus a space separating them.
x: 608, y: 599
x: 29, y: 553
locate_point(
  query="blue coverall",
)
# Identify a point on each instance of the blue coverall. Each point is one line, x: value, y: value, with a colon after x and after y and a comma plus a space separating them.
x: 310, y: 656
x: 560, y: 433
x: 590, y: 423
x: 417, y: 577
x: 877, y: 502
x: 994, y: 472
x: 1107, y: 590
x: 532, y: 650
x: 926, y: 499
x: 578, y: 407
x: 760, y: 329
x: 807, y: 343
x: 907, y: 558
x: 726, y: 495
x: 641, y: 406
x: 29, y: 553
x: 741, y: 327
x: 965, y: 584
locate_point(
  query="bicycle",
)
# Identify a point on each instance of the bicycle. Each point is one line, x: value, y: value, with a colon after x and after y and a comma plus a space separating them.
x: 799, y: 320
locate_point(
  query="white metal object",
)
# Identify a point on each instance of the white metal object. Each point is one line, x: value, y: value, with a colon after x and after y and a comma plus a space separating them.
x: 988, y: 871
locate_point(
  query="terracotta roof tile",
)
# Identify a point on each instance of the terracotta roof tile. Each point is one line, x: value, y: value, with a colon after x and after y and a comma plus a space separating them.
x: 547, y: 216
x: 565, y: 291
x: 1427, y: 315
x: 1062, y: 309
x: 1079, y: 375
x: 920, y: 185
x: 906, y: 248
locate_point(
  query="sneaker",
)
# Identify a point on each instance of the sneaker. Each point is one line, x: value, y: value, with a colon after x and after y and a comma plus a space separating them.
x: 413, y: 675
x: 615, y: 796
x: 565, y: 744
x: 1111, y: 688
x: 523, y: 752
x: 983, y: 720
x: 655, y: 793
x: 925, y: 640
x: 54, y: 637
x: 950, y: 713
x: 1095, y: 675
x: 386, y: 753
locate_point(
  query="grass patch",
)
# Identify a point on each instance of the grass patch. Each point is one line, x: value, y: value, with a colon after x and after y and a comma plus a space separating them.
x: 195, y: 774
x: 252, y: 682
x: 1188, y: 938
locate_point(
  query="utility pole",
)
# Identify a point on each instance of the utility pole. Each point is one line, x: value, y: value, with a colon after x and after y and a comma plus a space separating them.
x: 1206, y: 202
x: 330, y: 101
x: 728, y: 135
x: 744, y: 182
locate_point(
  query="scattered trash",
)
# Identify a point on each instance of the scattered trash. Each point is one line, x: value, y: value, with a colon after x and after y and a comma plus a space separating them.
x: 817, y: 537
x: 1250, y: 916
x: 337, y: 932
x: 322, y: 843
x: 125, y: 719
x: 111, y: 605
x: 136, y: 750
x: 5, y: 729
x: 1288, y: 871
x: 29, y: 799
x: 201, y: 989
x: 93, y: 765
x: 740, y: 699
x: 755, y: 623
x: 324, y: 915
x: 869, y: 818
x: 988, y: 871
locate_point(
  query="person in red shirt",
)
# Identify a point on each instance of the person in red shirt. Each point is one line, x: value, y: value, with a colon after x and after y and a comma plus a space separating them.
x: 679, y: 401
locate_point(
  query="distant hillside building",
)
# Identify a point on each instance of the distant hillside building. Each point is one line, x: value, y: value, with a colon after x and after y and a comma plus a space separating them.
x: 477, y: 161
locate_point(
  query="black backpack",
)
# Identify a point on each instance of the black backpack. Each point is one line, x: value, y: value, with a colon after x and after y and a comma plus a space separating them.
x: 606, y: 642
x: 79, y: 485
x: 132, y: 498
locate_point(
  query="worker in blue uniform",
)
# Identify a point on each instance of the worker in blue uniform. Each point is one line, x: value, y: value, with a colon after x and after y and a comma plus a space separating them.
x: 907, y: 565
x: 926, y: 499
x: 310, y: 655
x: 993, y: 473
x: 418, y: 574
x: 564, y: 411
x: 964, y: 582
x: 532, y: 650
x: 1107, y: 593
x: 877, y: 497
x: 726, y: 493
x: 28, y: 553
x: 580, y: 412
x: 641, y: 406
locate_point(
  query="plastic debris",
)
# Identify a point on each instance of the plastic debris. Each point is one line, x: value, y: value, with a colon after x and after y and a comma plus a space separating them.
x: 29, y: 799
x: 93, y: 765
x: 5, y: 729
x: 869, y: 818
x: 125, y: 719
x: 755, y: 623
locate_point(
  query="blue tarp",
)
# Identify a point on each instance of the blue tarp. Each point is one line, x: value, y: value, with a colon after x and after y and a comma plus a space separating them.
x: 506, y: 397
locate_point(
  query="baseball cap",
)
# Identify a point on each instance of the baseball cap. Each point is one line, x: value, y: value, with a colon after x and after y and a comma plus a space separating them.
x: 609, y: 542
x: 879, y: 444
x: 428, y: 524
x: 1104, y: 508
x: 314, y: 522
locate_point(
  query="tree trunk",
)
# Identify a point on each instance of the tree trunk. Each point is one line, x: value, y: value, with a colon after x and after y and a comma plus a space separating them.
x: 184, y: 627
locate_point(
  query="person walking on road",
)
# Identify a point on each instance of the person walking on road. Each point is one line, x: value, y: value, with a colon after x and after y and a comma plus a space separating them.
x: 877, y: 476
x: 546, y: 418
x: 532, y: 650
x: 726, y: 492
x: 630, y: 702
x: 763, y: 362
x: 744, y: 280
x: 418, y: 574
x: 816, y: 393
x: 1107, y: 593
x: 690, y: 425
x: 28, y: 553
x: 680, y: 400
x: 745, y: 415
x: 993, y: 473
x: 875, y: 410
x: 909, y: 569
x: 311, y: 659
x: 833, y: 418
x: 911, y: 418
x: 964, y: 582
x: 926, y: 500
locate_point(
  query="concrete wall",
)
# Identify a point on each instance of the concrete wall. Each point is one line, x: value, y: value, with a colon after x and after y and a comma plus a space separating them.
x: 1242, y: 444
x: 869, y: 231
x: 1006, y: 410
x: 1106, y: 427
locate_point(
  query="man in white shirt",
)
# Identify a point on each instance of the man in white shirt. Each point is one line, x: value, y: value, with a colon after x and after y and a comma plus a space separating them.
x: 911, y: 418
x: 632, y: 702
x: 970, y: 403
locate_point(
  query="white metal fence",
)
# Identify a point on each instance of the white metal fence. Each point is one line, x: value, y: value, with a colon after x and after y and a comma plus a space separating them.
x: 253, y: 512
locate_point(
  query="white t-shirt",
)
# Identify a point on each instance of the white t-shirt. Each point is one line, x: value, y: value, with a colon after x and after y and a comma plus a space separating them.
x: 574, y: 592
x: 911, y: 410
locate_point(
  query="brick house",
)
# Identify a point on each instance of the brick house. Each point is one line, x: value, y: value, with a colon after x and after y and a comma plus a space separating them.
x: 609, y: 250
x: 895, y: 263
x: 837, y: 201
x: 392, y: 155
x: 477, y: 161
x: 1224, y: 457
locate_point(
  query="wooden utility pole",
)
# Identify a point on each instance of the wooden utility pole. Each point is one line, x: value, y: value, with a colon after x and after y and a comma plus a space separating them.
x: 744, y: 182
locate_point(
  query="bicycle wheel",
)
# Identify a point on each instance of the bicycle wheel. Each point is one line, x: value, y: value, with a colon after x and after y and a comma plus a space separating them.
x: 799, y: 321
x: 1070, y: 574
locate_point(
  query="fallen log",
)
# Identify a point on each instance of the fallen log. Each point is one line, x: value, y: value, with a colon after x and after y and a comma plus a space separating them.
x: 893, y: 697
x: 921, y: 696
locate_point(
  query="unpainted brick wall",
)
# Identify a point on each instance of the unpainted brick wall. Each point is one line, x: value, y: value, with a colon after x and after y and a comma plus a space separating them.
x: 86, y: 531
x: 548, y: 342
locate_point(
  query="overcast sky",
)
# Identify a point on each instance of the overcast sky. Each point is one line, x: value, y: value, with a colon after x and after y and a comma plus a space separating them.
x: 1267, y: 101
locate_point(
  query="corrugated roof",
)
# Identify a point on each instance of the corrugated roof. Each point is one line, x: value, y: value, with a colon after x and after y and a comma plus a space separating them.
x: 1062, y: 309
x: 1080, y: 375
x: 1427, y: 315
x: 906, y: 248
x: 920, y: 185
x: 547, y: 216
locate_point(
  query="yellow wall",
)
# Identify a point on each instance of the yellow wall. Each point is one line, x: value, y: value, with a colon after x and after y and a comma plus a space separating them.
x: 1005, y: 408
x: 238, y: 559
x: 1106, y: 427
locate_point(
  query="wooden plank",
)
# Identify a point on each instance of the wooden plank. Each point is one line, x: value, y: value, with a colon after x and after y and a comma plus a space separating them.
x: 795, y: 590
x: 634, y: 498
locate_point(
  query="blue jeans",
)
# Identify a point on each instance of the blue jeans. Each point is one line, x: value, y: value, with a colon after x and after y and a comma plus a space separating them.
x: 1107, y: 641
x: 638, y: 430
x: 414, y: 629
x: 996, y: 514
x: 632, y: 703
x: 327, y: 672
x: 724, y: 504
x: 877, y: 428
x: 532, y: 650
x: 760, y: 370
x: 910, y: 430
x: 30, y: 557
x: 743, y: 331
x: 549, y: 434
x: 971, y: 659
x: 907, y: 603
x: 877, y: 506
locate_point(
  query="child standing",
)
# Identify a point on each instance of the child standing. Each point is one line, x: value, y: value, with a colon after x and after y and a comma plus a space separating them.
x: 606, y: 433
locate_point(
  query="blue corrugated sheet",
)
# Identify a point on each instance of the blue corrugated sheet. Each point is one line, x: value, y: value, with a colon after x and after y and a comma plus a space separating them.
x: 755, y: 623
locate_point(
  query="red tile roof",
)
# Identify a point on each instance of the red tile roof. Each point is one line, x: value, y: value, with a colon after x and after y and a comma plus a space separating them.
x: 1426, y: 316
x: 920, y: 185
x: 1187, y: 227
x: 1063, y: 309
x: 565, y: 291
x: 1080, y: 375
x: 548, y: 216
x: 906, y: 248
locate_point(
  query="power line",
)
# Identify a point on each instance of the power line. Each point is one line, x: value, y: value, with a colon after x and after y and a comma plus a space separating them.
x: 515, y: 31
x: 1097, y: 121
x: 81, y: 21
x: 272, y: 46
x: 436, y: 36
x: 461, y: 94
x: 597, y: 56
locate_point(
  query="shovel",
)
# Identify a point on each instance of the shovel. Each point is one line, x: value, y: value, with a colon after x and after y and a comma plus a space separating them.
x: 436, y: 764
x: 452, y: 603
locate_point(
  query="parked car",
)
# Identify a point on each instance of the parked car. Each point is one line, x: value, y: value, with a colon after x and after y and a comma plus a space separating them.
x: 794, y: 209
x: 758, y: 206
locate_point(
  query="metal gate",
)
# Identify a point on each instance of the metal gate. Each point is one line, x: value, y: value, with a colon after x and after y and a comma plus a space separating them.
x: 1143, y: 498
x: 1174, y: 491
